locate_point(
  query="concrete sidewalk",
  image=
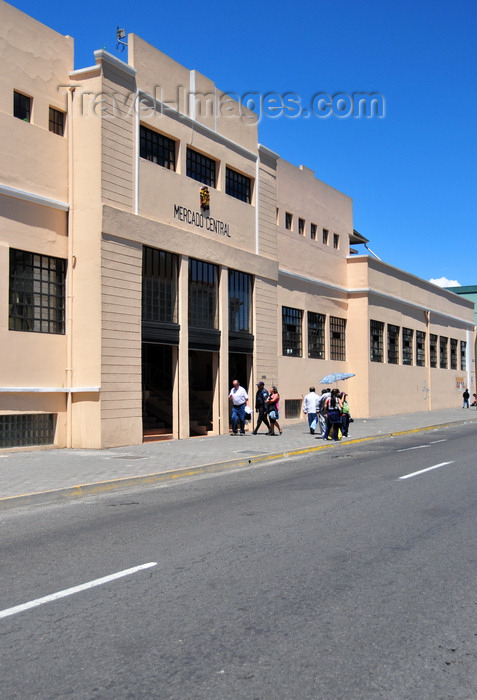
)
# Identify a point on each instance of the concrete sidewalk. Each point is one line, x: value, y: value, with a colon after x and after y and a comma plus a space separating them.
x: 48, y: 476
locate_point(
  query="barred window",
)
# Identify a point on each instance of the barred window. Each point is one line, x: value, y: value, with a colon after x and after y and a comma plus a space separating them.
x: 313, y: 232
x: 56, y: 121
x: 200, y: 168
x: 433, y: 350
x: 453, y: 353
x: 443, y: 352
x: 463, y: 355
x: 238, y: 185
x: 240, y: 301
x: 407, y: 353
x: 326, y: 235
x: 157, y: 148
x: 293, y: 408
x: 420, y: 349
x: 203, y: 286
x: 393, y: 344
x: 337, y: 338
x: 159, y: 285
x: 288, y: 221
x: 21, y: 106
x: 301, y: 227
x: 37, y: 293
x: 316, y: 335
x: 376, y: 329
x: 291, y: 332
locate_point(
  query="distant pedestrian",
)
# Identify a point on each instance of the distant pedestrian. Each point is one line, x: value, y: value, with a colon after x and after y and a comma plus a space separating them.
x: 239, y: 399
x: 261, y: 406
x: 274, y: 410
x: 310, y: 408
x: 466, y: 397
x: 345, y: 414
x: 325, y: 394
x: 333, y: 415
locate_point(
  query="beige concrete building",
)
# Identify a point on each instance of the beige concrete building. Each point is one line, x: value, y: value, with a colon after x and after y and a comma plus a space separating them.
x: 152, y: 250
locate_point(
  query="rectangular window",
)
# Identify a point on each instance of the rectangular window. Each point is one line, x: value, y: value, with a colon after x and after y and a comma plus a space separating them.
x: 433, y: 350
x: 326, y: 235
x: 336, y: 241
x: 159, y: 286
x: 463, y: 355
x: 420, y: 349
x: 56, y: 121
x: 21, y: 106
x: 27, y: 430
x: 288, y: 221
x: 453, y: 353
x: 393, y: 344
x: 316, y: 335
x: 237, y: 185
x: 200, y: 168
x: 337, y: 338
x: 37, y: 293
x: 293, y: 408
x: 376, y: 345
x: 313, y: 232
x: 203, y: 286
x: 443, y: 352
x: 407, y: 351
x: 291, y: 332
x: 301, y: 227
x: 240, y: 302
x: 157, y: 148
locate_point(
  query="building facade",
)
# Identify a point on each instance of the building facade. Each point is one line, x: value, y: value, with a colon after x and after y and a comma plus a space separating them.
x: 152, y: 251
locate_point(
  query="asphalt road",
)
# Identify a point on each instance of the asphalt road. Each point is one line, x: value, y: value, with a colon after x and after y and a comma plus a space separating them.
x: 326, y: 577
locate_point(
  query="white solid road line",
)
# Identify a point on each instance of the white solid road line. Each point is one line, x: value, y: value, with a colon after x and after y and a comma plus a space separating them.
x: 417, y: 447
x: 436, y: 466
x: 75, y: 589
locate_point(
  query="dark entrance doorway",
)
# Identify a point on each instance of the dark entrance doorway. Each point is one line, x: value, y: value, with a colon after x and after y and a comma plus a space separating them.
x: 202, y: 376
x: 157, y: 381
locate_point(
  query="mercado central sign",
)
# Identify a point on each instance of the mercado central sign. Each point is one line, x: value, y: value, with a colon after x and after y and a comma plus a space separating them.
x: 197, y: 218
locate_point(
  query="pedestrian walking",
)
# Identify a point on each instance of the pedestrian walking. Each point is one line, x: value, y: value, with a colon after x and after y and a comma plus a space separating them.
x: 261, y: 407
x: 325, y: 394
x: 273, y: 403
x: 239, y: 399
x: 310, y: 408
x: 333, y: 415
x: 466, y: 397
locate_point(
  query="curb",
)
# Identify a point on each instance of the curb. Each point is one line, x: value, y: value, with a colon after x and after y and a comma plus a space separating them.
x: 71, y: 493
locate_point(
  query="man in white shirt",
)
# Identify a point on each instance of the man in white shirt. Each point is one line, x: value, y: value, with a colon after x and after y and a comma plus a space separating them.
x: 239, y: 399
x: 310, y: 408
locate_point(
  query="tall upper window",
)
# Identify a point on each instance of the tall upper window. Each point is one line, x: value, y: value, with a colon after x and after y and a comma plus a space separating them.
x: 337, y: 338
x: 157, y: 148
x: 420, y: 348
x: 37, y: 293
x: 203, y: 286
x: 313, y: 232
x: 326, y: 236
x: 376, y: 348
x: 56, y: 121
x: 393, y: 344
x: 463, y: 355
x: 200, y: 167
x: 443, y: 352
x: 301, y: 227
x: 336, y: 241
x: 291, y: 332
x: 238, y: 185
x: 21, y: 106
x: 159, y: 286
x: 453, y: 353
x: 288, y: 221
x: 407, y: 338
x: 240, y: 302
x: 316, y: 335
x: 433, y: 350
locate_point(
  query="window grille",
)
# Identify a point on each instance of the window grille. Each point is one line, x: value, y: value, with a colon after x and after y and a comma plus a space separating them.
x: 27, y: 430
x: 376, y: 329
x: 159, y: 286
x: 463, y: 355
x: 291, y: 332
x: 407, y: 353
x: 443, y: 352
x: 293, y: 408
x: 37, y: 293
x: 453, y: 353
x: 316, y: 335
x: 200, y: 168
x: 21, y: 106
x: 203, y: 285
x: 56, y: 121
x: 238, y: 185
x: 240, y: 301
x: 157, y: 148
x: 433, y: 350
x: 393, y: 344
x: 420, y: 349
x: 337, y: 338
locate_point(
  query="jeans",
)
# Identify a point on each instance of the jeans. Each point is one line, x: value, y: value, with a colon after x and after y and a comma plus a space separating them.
x: 333, y: 419
x: 238, y: 415
x: 312, y: 421
x: 345, y: 423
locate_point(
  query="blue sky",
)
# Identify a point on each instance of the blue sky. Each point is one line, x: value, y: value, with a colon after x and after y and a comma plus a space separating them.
x: 412, y: 173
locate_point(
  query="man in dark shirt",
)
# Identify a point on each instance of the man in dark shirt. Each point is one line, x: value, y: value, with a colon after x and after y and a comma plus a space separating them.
x: 261, y: 406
